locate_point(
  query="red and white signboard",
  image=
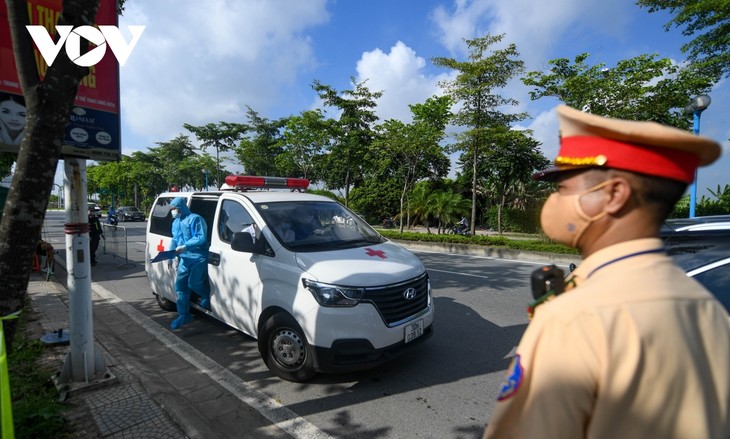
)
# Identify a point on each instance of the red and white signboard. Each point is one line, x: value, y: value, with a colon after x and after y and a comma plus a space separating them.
x: 94, y: 128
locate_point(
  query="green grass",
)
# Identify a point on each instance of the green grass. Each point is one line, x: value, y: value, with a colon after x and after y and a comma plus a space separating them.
x: 522, y: 243
x: 37, y: 412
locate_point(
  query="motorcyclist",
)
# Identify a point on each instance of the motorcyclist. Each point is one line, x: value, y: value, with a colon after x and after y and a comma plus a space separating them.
x: 463, y: 225
x: 111, y: 216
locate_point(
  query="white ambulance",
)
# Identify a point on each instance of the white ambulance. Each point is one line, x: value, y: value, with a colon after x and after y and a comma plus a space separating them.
x: 318, y: 288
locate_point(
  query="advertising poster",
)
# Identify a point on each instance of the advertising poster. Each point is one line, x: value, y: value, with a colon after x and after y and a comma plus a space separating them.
x: 93, y: 130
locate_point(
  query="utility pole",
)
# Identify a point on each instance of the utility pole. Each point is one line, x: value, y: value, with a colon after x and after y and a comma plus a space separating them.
x: 84, y: 363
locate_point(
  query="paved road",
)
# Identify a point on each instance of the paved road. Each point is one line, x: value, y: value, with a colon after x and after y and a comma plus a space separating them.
x: 445, y: 389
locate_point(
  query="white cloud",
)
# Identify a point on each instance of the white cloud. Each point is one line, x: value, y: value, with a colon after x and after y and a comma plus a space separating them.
x: 400, y: 75
x: 206, y: 62
x: 535, y: 27
x: 462, y: 22
x: 545, y: 129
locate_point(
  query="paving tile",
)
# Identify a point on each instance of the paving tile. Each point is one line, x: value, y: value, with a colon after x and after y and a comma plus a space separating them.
x: 187, y: 380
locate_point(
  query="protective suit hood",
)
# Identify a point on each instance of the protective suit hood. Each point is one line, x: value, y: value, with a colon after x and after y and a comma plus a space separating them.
x: 182, y: 204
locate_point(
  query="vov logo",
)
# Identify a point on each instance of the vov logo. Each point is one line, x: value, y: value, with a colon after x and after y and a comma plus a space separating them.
x: 71, y: 38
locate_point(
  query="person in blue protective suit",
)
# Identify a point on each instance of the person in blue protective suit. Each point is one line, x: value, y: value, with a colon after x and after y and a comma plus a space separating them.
x: 190, y: 242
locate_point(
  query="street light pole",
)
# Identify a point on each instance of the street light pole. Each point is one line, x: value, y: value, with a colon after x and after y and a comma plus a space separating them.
x: 695, y: 108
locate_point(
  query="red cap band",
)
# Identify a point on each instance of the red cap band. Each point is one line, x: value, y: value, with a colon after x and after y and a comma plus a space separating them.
x: 656, y: 161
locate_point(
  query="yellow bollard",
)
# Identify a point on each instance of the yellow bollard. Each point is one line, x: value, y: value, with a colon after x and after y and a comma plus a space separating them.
x: 6, y: 403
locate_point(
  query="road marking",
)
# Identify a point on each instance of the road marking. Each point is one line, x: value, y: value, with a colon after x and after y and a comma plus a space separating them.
x: 458, y: 273
x: 271, y: 409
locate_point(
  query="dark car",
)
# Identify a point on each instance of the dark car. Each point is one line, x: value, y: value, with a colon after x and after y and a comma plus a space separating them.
x: 95, y: 209
x: 702, y: 249
x: 129, y: 213
x: 697, y: 223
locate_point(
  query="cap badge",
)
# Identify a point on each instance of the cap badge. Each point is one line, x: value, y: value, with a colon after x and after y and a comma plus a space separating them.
x: 598, y: 160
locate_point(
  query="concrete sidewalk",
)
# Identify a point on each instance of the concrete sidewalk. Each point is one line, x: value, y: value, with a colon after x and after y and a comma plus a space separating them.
x: 151, y: 391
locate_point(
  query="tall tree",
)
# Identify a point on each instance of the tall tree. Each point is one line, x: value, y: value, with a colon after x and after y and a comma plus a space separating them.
x: 48, y: 104
x: 137, y: 179
x: 178, y: 162
x: 147, y: 168
x: 222, y: 136
x: 639, y: 88
x: 708, y: 22
x: 475, y: 89
x: 506, y: 174
x: 376, y: 198
x: 346, y: 157
x: 305, y: 139
x: 257, y: 152
x: 413, y: 150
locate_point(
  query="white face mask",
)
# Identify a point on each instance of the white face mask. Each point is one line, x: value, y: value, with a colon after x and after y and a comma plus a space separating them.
x: 175, y: 213
x: 563, y: 219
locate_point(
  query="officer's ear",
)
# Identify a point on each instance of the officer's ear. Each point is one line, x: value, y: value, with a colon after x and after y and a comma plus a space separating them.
x: 620, y: 195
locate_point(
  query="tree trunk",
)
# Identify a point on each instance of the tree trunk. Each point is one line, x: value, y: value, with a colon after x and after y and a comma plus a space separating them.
x: 499, y: 215
x: 347, y: 188
x: 474, y: 193
x: 402, y: 197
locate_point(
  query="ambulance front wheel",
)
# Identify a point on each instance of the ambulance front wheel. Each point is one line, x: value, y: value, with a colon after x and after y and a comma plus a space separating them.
x: 285, y: 349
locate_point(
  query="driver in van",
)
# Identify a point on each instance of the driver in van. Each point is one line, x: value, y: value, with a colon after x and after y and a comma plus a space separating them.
x: 190, y: 242
x: 282, y: 226
x: 304, y: 222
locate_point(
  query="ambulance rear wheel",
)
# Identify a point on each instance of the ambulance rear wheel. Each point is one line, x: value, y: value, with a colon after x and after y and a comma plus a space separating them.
x: 285, y: 349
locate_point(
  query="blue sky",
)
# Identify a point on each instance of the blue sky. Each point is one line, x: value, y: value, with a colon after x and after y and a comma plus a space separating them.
x: 200, y: 62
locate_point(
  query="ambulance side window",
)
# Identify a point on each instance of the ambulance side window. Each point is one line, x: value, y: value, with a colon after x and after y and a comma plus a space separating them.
x: 233, y: 218
x: 160, y: 218
x: 205, y: 207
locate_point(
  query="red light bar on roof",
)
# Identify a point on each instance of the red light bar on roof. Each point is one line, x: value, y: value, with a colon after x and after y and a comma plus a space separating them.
x: 247, y: 181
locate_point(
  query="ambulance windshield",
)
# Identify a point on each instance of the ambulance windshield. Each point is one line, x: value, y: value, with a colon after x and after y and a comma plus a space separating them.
x: 316, y: 225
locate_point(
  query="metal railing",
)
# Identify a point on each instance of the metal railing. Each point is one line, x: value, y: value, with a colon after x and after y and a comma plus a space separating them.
x: 115, y: 243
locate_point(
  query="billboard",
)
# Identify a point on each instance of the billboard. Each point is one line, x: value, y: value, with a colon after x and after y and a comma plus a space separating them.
x: 93, y: 129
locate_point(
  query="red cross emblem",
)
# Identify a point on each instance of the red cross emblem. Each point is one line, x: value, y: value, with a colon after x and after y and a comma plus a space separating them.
x: 378, y: 253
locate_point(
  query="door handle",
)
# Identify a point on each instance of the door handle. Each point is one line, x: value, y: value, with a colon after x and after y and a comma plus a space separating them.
x: 214, y: 258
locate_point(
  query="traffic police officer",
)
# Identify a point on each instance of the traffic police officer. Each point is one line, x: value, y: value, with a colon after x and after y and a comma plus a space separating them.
x: 634, y: 348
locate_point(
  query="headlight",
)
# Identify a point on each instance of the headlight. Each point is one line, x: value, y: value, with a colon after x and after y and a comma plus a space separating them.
x: 334, y: 295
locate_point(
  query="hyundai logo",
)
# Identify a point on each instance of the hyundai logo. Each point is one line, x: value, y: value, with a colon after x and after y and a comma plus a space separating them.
x: 409, y: 293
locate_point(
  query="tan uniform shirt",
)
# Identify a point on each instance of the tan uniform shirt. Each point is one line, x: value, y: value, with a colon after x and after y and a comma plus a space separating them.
x: 636, y: 350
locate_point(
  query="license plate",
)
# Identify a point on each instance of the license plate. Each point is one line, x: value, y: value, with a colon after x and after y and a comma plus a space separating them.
x: 414, y: 330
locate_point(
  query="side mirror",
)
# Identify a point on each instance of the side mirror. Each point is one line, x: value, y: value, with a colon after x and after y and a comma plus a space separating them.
x: 572, y: 267
x: 243, y: 242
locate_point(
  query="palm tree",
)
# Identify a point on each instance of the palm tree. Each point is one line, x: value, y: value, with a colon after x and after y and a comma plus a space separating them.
x: 420, y: 207
x: 448, y: 207
x: 723, y: 197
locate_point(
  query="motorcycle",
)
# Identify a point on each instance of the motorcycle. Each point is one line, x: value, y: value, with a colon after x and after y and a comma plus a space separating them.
x: 460, y: 229
x: 111, y: 218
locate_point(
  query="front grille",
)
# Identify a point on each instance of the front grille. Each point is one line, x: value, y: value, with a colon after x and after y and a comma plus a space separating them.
x: 392, y: 304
